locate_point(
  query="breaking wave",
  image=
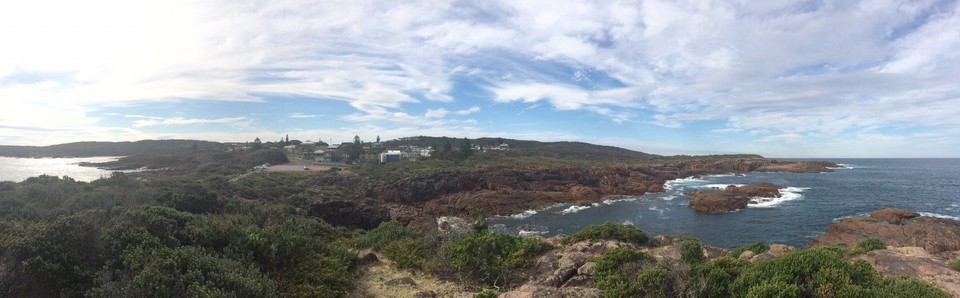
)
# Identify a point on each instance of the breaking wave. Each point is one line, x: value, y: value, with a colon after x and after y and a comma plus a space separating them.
x: 786, y: 194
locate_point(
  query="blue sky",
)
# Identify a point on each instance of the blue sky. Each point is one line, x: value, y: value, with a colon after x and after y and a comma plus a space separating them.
x: 777, y: 78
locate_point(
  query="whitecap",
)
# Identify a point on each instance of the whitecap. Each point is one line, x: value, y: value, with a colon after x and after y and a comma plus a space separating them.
x: 575, y: 209
x: 939, y: 216
x: 671, y: 184
x: 786, y: 194
x: 722, y: 186
x: 524, y: 214
x: 669, y: 198
x: 618, y: 199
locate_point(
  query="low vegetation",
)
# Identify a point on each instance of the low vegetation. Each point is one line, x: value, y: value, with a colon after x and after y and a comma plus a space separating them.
x: 871, y: 244
x: 610, y: 231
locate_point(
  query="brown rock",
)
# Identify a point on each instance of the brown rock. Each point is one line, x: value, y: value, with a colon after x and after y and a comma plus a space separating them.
x: 895, y: 228
x: 587, y: 268
x: 533, y: 291
x: 425, y: 294
x: 893, y: 215
x: 916, y: 262
x: 747, y: 255
x: 777, y: 249
x: 731, y: 198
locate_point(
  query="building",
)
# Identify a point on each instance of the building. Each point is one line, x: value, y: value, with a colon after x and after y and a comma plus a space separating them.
x: 391, y: 156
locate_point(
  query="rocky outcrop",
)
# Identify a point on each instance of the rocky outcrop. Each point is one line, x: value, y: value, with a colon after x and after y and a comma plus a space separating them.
x: 418, y: 198
x: 916, y: 262
x: 351, y: 214
x: 896, y: 227
x: 731, y: 198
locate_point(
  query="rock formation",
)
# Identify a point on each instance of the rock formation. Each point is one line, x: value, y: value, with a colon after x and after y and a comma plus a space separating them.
x: 896, y: 227
x: 364, y: 215
x: 731, y: 198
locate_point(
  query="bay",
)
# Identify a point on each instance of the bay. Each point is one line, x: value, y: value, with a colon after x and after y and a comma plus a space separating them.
x: 19, y: 169
x: 811, y: 202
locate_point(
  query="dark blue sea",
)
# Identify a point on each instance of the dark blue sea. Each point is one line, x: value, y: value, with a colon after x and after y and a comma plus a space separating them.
x: 810, y: 203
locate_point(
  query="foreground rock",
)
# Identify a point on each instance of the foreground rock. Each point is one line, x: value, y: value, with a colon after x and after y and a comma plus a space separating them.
x: 731, y: 198
x: 896, y: 227
x: 917, y: 262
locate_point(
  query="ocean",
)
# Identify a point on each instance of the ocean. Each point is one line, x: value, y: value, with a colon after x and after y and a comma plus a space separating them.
x: 19, y: 169
x: 809, y: 204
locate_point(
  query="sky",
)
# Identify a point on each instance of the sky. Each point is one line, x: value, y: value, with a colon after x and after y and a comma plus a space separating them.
x: 873, y: 78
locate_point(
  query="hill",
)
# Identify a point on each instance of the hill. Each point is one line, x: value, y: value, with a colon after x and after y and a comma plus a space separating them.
x: 88, y: 149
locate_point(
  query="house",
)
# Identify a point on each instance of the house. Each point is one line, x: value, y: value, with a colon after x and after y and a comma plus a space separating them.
x: 391, y: 156
x: 290, y: 148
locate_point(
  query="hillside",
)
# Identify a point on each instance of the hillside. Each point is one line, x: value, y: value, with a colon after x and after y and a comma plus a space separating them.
x: 88, y: 149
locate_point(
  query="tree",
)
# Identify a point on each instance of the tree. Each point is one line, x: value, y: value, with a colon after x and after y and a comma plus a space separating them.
x: 463, y: 149
x: 356, y: 139
x: 257, y: 144
x: 288, y: 139
x: 378, y: 139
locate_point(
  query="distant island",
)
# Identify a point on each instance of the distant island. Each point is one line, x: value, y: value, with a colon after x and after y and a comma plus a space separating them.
x: 302, y: 218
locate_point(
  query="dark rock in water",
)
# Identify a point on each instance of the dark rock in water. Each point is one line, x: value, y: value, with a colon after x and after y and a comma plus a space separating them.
x: 896, y: 227
x: 403, y: 281
x: 731, y: 198
x: 364, y: 215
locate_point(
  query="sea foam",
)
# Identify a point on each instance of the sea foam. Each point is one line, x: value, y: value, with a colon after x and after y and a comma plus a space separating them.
x: 577, y: 208
x: 939, y: 215
x: 524, y: 214
x: 786, y: 194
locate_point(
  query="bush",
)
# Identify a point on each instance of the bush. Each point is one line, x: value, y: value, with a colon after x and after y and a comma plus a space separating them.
x: 486, y: 294
x: 629, y: 273
x: 408, y: 253
x: 384, y: 234
x: 691, y: 252
x: 491, y: 258
x: 872, y: 244
x: 822, y: 272
x: 956, y: 265
x: 719, y: 273
x: 756, y: 247
x: 610, y: 231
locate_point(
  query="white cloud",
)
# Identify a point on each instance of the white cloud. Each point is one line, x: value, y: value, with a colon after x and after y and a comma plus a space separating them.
x: 153, y: 121
x: 301, y: 115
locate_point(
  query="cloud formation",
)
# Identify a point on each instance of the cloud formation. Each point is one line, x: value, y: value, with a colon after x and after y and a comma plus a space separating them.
x: 762, y: 73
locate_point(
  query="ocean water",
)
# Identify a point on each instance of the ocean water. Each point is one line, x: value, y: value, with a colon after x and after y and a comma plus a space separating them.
x: 810, y: 203
x: 19, y: 169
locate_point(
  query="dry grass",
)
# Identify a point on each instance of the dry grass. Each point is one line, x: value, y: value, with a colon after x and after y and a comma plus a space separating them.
x: 374, y: 276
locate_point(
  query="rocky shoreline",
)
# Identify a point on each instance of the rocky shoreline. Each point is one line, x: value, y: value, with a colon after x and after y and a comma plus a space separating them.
x: 489, y: 192
x: 918, y: 246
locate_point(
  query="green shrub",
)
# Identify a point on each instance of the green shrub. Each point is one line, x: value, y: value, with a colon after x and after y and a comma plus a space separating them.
x: 871, y: 244
x: 185, y: 272
x: 384, y: 234
x: 756, y: 247
x: 408, y: 253
x: 629, y: 273
x: 486, y: 294
x: 901, y: 286
x: 956, y: 265
x: 719, y: 273
x: 823, y: 272
x: 692, y: 252
x: 610, y: 231
x: 491, y: 258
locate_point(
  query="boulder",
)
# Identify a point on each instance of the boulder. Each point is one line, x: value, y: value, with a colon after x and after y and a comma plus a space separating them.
x: 895, y: 227
x: 893, y: 215
x: 534, y: 291
x: 747, y: 255
x: 731, y: 198
x: 366, y: 257
x: 403, y: 281
x: 916, y: 262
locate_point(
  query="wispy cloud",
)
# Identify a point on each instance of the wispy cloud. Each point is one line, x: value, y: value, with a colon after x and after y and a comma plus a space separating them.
x: 153, y: 121
x: 301, y: 115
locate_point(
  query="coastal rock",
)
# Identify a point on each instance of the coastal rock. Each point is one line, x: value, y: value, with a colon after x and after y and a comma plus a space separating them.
x: 747, y: 255
x: 511, y: 191
x: 893, y: 215
x: 896, y: 227
x: 916, y: 262
x: 403, y: 281
x: 731, y: 198
x: 366, y: 257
